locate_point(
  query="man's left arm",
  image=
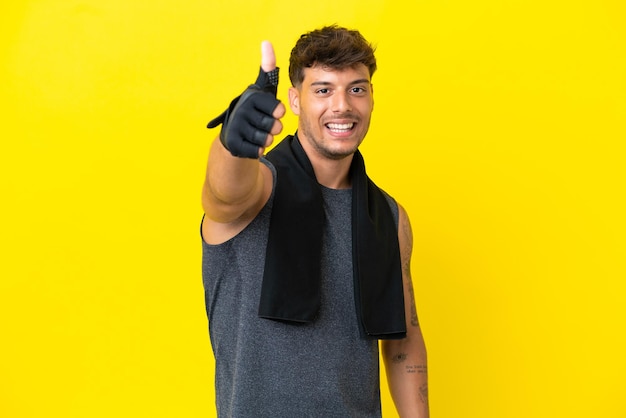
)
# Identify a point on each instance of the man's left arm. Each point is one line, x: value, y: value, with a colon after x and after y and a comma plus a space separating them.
x: 405, y: 359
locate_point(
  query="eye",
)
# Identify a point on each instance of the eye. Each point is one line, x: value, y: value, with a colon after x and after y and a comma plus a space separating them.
x: 358, y: 90
x: 322, y: 91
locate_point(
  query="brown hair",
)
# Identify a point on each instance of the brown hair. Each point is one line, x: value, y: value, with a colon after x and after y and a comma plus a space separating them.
x: 331, y: 47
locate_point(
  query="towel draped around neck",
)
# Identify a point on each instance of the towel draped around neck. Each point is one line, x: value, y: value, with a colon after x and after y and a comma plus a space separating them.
x: 291, y: 281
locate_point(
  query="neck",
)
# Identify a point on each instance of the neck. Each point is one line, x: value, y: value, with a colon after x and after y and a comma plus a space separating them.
x: 330, y: 173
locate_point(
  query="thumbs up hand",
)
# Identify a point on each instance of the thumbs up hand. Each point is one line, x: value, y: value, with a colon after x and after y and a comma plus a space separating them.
x: 252, y: 119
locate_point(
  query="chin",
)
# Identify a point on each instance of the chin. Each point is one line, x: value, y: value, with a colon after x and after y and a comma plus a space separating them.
x: 340, y: 153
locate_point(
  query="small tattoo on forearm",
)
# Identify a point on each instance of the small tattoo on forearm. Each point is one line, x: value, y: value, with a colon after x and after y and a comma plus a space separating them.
x: 399, y: 358
x: 416, y: 368
x: 414, y: 320
x: 423, y: 393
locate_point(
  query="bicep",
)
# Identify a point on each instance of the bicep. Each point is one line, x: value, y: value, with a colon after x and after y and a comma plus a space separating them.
x: 405, y: 240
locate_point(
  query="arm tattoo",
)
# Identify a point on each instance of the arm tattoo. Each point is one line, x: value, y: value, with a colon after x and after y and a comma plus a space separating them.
x: 406, y: 269
x: 416, y: 368
x: 406, y: 251
x: 399, y: 358
x: 414, y: 320
x: 423, y: 393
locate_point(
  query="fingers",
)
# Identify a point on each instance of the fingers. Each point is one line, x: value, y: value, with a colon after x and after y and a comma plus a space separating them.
x: 268, y: 58
x: 268, y: 63
x: 277, y: 128
x: 263, y: 119
x: 279, y: 111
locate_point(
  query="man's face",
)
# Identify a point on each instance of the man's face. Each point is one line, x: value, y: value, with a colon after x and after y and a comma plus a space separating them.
x: 334, y: 109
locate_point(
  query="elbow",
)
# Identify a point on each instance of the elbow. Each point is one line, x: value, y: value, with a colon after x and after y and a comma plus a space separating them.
x: 218, y: 209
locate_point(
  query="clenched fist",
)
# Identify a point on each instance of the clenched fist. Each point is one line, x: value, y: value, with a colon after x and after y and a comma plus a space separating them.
x: 252, y: 118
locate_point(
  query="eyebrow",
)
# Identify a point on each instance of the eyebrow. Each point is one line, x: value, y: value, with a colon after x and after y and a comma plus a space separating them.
x: 352, y: 83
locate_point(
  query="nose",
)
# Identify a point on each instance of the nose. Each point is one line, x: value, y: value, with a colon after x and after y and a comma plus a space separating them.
x: 341, y: 102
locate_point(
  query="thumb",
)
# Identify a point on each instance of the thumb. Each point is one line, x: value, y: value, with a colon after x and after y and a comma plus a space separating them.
x: 268, y: 59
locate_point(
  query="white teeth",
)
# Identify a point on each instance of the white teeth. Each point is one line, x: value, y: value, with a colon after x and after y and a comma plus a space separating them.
x: 340, y: 126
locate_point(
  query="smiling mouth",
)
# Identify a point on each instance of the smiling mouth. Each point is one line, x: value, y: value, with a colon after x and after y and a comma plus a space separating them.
x: 340, y: 127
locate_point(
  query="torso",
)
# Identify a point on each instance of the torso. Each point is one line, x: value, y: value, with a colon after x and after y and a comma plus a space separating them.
x: 267, y: 368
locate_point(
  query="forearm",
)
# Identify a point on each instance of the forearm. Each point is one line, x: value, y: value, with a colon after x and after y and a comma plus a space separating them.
x: 231, y: 183
x: 407, y: 375
x: 237, y: 184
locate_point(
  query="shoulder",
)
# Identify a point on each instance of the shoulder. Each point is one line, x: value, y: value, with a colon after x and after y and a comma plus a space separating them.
x: 393, y: 205
x: 405, y: 232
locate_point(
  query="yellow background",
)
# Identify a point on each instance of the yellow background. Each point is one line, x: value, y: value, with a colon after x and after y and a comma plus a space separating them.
x: 498, y: 124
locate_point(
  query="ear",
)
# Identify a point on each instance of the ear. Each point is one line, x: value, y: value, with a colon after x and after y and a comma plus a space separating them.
x: 372, y: 88
x: 294, y: 100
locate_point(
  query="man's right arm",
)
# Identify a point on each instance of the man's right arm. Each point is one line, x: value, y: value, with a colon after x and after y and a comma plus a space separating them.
x: 236, y: 188
x: 232, y: 186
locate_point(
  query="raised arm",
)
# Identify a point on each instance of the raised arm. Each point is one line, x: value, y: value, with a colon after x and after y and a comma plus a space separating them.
x: 237, y: 184
x: 405, y: 359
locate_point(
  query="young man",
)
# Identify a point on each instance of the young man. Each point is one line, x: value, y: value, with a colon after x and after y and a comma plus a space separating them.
x: 306, y: 263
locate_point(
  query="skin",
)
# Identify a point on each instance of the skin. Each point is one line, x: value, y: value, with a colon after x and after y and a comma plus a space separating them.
x: 328, y: 99
x: 235, y: 189
x: 334, y: 109
x: 405, y: 360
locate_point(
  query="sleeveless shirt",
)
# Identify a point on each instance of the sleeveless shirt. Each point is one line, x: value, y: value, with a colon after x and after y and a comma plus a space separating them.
x: 267, y: 368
